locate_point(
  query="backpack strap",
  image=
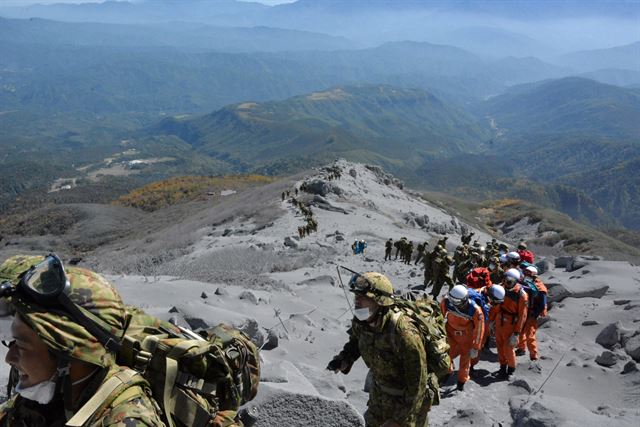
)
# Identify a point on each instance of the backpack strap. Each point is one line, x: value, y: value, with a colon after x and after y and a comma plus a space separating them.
x: 105, y: 396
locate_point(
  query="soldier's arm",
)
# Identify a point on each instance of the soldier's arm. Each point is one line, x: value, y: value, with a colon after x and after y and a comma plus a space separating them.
x: 414, y: 361
x: 350, y: 352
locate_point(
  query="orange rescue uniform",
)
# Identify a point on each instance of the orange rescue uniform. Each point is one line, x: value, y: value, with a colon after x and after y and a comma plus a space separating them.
x: 510, y: 318
x: 465, y: 331
x: 528, y: 335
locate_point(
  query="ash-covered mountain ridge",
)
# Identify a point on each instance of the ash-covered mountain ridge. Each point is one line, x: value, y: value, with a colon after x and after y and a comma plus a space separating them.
x: 237, y: 257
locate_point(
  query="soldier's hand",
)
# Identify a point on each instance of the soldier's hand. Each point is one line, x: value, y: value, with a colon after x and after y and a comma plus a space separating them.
x: 473, y: 353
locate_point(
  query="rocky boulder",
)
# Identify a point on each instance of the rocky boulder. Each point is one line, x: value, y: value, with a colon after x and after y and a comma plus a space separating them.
x: 286, y: 398
x: 291, y: 243
x: 543, y: 266
x: 557, y: 292
x: 576, y: 263
x: 562, y: 261
x: 610, y: 335
x: 549, y: 411
x: 632, y: 347
x: 607, y: 359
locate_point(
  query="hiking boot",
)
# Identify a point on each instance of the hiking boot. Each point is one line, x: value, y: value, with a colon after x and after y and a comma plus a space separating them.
x: 502, y: 372
x: 472, y: 370
x: 510, y: 371
x: 520, y: 352
x: 460, y: 386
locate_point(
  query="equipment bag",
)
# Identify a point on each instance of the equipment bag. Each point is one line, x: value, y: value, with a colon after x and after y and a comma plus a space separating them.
x: 480, y: 301
x: 427, y: 317
x: 198, y: 380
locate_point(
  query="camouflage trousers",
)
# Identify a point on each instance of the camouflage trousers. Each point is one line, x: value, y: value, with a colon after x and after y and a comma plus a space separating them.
x: 383, y: 406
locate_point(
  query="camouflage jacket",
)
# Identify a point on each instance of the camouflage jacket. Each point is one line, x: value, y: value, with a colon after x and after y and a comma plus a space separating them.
x: 132, y: 407
x: 395, y: 355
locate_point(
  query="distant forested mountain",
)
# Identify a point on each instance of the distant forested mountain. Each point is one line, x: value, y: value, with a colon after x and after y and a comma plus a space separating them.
x: 53, y: 77
x: 625, y: 57
x: 569, y: 105
x: 573, y: 141
x: 191, y: 37
x: 360, y: 122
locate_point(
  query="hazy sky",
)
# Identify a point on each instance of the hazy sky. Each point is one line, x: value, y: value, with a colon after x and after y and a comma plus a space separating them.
x: 28, y: 2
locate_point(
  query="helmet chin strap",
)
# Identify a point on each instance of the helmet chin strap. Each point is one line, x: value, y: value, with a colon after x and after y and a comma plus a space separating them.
x: 63, y: 385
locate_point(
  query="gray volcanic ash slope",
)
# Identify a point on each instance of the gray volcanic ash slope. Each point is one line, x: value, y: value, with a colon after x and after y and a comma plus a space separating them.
x: 241, y: 262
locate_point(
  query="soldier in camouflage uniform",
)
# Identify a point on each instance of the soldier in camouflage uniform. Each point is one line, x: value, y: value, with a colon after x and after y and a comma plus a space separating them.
x: 408, y: 252
x: 392, y: 349
x: 440, y: 274
x: 62, y: 366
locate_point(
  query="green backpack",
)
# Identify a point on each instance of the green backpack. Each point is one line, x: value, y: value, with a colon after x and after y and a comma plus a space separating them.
x: 193, y: 377
x: 428, y: 318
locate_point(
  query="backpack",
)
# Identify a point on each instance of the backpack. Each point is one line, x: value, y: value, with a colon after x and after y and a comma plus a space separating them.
x: 537, y: 295
x: 480, y: 301
x: 192, y: 376
x: 425, y: 314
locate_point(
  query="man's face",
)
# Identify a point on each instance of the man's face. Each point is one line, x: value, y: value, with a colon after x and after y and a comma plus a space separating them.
x: 363, y: 301
x: 29, y: 355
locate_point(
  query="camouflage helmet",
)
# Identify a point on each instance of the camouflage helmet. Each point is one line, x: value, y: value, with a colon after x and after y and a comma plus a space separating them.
x: 59, y: 331
x: 438, y: 248
x: 373, y: 285
x: 13, y: 267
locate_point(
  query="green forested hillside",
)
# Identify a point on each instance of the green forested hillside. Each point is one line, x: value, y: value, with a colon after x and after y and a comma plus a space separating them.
x: 360, y: 122
x: 576, y: 135
x: 567, y: 105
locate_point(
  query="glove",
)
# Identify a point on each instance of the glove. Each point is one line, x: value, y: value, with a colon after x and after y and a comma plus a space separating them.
x: 513, y: 340
x: 473, y: 353
x: 335, y: 365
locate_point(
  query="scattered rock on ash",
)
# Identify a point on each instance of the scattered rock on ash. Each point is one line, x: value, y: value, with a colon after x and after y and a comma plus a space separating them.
x: 607, y: 359
x: 589, y: 323
x: 249, y: 296
x: 610, y: 335
x: 629, y: 367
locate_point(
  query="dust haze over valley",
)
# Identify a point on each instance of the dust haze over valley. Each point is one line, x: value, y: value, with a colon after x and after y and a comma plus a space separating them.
x: 151, y: 141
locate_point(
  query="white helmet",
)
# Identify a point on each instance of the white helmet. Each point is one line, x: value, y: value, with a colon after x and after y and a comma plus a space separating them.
x: 513, y: 256
x: 503, y: 259
x: 496, y: 294
x: 458, y: 295
x: 531, y: 270
x: 511, y: 277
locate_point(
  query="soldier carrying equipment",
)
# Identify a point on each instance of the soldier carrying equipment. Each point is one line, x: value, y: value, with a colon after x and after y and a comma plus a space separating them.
x: 396, y: 342
x: 198, y: 380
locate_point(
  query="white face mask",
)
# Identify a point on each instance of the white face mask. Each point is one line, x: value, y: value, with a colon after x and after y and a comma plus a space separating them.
x: 362, y: 314
x: 42, y: 392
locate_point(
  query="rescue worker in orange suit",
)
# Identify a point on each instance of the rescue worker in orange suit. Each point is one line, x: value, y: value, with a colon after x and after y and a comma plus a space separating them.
x: 510, y: 317
x: 537, y: 292
x: 465, y: 329
x: 492, y: 296
x: 478, y: 277
x: 525, y: 255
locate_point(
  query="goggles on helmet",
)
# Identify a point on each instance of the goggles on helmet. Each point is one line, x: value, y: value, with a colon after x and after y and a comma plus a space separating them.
x: 360, y: 286
x: 47, y: 285
x: 458, y: 302
x: 363, y: 286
